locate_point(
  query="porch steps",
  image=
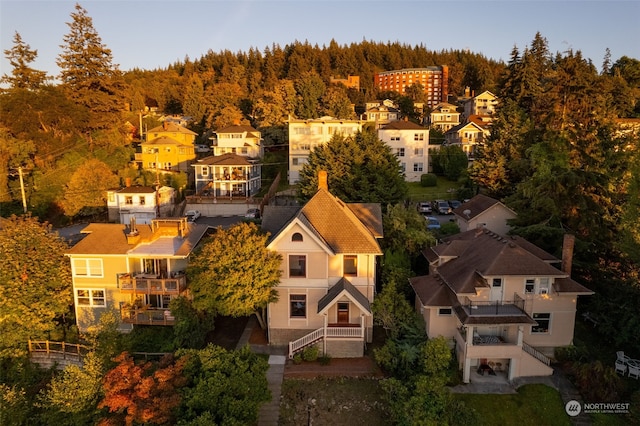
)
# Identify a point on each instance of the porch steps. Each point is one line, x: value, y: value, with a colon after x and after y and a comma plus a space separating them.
x: 304, y: 341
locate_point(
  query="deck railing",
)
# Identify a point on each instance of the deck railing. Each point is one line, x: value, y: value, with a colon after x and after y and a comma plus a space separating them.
x: 146, y: 316
x: 62, y: 350
x: 495, y: 307
x: 132, y: 283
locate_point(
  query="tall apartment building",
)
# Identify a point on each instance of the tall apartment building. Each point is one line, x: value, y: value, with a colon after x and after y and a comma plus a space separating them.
x: 304, y: 135
x: 434, y: 79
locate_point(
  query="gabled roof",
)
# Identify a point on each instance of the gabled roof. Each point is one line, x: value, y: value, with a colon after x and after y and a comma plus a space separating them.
x: 456, y: 129
x: 171, y: 127
x: 344, y: 228
x: 136, y: 189
x: 228, y: 159
x: 403, y: 125
x: 477, y: 206
x: 163, y: 140
x: 344, y: 288
x: 445, y: 105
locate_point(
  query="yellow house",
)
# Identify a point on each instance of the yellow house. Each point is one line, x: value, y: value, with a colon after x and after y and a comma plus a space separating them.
x: 134, y: 270
x: 168, y: 147
x: 500, y: 300
x: 329, y: 251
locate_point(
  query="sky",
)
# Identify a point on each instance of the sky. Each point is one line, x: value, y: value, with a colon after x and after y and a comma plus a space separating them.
x: 152, y: 34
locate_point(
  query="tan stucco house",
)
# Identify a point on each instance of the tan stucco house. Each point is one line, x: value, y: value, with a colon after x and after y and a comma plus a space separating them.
x: 329, y: 250
x: 500, y: 300
x: 133, y: 269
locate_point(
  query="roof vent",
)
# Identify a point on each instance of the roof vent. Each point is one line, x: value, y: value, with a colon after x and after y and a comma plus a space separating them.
x: 467, y: 213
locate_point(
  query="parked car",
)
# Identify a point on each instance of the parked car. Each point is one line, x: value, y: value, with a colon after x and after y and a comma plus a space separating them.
x: 432, y: 222
x: 442, y: 207
x: 424, y: 207
x: 454, y: 204
x: 202, y: 148
x: 252, y: 214
x: 192, y: 215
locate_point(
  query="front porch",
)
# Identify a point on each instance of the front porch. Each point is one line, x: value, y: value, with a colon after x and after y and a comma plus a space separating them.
x: 146, y: 316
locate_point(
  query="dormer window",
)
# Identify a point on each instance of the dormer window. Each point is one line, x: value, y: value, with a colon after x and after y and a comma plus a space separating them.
x: 297, y: 237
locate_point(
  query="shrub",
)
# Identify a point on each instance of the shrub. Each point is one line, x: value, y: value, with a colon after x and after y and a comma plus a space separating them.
x: 297, y: 358
x: 597, y: 382
x: 324, y: 359
x: 310, y: 353
x: 428, y: 179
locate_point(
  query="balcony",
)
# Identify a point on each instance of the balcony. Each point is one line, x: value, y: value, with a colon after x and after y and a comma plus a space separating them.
x: 146, y: 316
x: 494, y: 308
x: 151, y: 284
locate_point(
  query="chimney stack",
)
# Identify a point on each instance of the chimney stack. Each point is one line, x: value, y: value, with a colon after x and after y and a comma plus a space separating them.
x: 322, y: 180
x: 127, y: 182
x: 567, y: 252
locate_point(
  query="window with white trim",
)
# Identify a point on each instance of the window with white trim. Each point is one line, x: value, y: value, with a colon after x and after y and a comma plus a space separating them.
x: 298, y: 306
x: 297, y: 265
x: 544, y: 321
x: 350, y: 265
x: 87, y: 268
x: 417, y: 167
x: 90, y: 297
x: 529, y: 285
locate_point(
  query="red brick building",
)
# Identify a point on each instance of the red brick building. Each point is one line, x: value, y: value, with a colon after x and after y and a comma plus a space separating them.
x: 434, y: 79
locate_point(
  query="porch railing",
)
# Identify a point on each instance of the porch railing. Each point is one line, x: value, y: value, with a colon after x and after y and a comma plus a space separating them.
x: 536, y: 353
x: 495, y: 307
x: 325, y: 332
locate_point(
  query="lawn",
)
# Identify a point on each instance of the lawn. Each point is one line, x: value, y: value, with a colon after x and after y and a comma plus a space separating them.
x: 445, y: 190
x: 346, y: 401
x: 533, y: 405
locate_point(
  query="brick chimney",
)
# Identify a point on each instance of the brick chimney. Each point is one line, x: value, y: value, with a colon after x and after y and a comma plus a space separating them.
x: 567, y: 252
x: 322, y: 180
x: 127, y: 182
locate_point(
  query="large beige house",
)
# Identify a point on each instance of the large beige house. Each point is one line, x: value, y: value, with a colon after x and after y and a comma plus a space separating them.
x: 410, y: 142
x: 329, y: 251
x: 501, y: 302
x: 133, y: 269
x: 238, y: 139
x: 483, y: 104
x: 304, y: 135
x: 444, y: 116
x: 142, y: 202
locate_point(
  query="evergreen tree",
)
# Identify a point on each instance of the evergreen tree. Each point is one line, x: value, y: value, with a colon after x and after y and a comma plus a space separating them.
x: 20, y: 56
x: 361, y: 168
x: 88, y: 72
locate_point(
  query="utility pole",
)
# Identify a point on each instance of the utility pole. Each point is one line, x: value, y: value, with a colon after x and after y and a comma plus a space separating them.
x: 24, y: 198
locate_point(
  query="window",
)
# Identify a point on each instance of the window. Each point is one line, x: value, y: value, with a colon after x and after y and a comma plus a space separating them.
x: 403, y: 167
x: 294, y: 161
x: 417, y: 167
x: 87, y: 267
x: 543, y: 286
x: 142, y: 201
x: 350, y: 265
x: 112, y: 197
x: 543, y: 321
x: 418, y: 151
x: 445, y: 312
x: 395, y: 139
x: 529, y: 285
x: 297, y: 265
x: 128, y: 200
x: 298, y: 303
x: 205, y: 171
x: 400, y: 152
x: 86, y: 297
x: 418, y: 136
x: 297, y: 237
x: 497, y: 282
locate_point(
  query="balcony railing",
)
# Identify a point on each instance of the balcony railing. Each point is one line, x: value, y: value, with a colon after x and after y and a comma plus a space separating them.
x: 494, y: 308
x: 150, y: 284
x: 146, y: 316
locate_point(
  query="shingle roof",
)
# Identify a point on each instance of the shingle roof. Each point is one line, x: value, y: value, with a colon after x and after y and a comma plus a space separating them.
x: 344, y: 228
x: 238, y: 129
x: 343, y: 286
x: 476, y: 206
x: 488, y: 254
x: 136, y: 189
x: 567, y: 285
x: 432, y: 291
x: 170, y: 127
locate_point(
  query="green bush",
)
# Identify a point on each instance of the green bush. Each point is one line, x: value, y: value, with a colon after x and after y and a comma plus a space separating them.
x: 297, y: 359
x: 310, y: 353
x: 428, y: 179
x: 324, y: 359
